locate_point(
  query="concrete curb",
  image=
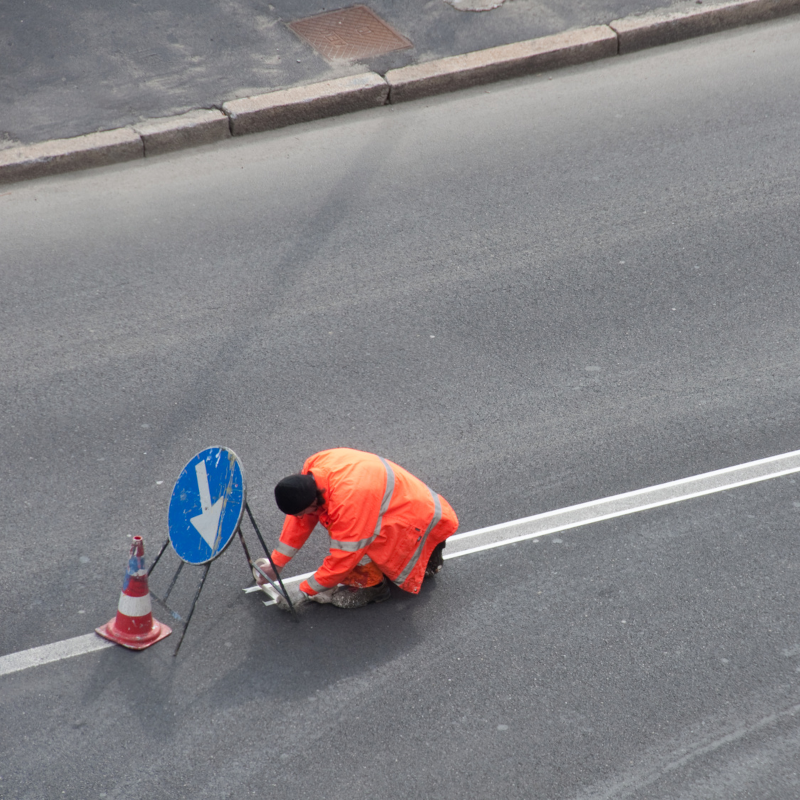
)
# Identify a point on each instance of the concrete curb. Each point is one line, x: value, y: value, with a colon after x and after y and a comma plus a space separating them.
x: 500, y: 63
x: 367, y: 90
x: 164, y: 135
x: 63, y: 155
x: 266, y: 112
x: 664, y: 27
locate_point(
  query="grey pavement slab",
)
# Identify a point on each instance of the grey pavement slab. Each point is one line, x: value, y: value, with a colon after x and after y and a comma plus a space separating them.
x: 70, y: 69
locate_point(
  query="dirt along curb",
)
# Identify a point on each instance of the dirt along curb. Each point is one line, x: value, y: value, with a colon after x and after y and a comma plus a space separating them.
x: 331, y: 98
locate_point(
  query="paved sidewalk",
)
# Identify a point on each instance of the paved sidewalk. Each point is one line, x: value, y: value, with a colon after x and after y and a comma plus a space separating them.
x: 72, y: 68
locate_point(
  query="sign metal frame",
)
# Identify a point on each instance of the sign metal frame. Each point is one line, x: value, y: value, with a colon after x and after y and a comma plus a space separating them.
x: 216, y: 552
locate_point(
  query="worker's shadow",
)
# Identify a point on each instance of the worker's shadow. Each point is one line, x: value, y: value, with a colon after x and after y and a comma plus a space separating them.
x: 288, y: 659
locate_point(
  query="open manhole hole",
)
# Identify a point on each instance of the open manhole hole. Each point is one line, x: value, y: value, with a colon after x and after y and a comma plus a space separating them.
x: 349, y: 34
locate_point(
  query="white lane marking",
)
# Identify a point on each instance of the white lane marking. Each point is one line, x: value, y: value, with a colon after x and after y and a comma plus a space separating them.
x: 37, y: 656
x: 463, y: 544
x: 294, y: 579
x: 619, y: 505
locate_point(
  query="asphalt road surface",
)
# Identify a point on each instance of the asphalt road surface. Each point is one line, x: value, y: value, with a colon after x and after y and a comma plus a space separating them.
x: 532, y: 295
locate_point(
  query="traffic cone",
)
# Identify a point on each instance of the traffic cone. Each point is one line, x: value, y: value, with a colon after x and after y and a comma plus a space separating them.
x: 134, y: 626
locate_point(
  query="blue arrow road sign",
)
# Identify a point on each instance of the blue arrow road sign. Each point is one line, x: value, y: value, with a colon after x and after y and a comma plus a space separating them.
x: 206, y: 505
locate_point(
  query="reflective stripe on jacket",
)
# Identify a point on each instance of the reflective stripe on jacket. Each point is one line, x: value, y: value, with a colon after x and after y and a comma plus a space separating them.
x: 372, y: 507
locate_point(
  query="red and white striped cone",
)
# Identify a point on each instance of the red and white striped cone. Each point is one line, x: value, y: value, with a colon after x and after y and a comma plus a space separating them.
x: 134, y: 626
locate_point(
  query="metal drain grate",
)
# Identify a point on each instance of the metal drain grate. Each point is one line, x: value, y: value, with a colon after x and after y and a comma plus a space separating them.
x: 349, y: 34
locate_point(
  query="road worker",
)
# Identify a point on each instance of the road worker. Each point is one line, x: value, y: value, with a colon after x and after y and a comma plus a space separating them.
x: 384, y: 525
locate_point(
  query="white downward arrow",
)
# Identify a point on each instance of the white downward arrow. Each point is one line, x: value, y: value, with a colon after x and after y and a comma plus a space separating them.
x: 208, y: 521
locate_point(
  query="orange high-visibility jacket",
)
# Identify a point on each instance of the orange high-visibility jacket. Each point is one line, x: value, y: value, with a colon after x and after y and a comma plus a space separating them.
x: 372, y: 507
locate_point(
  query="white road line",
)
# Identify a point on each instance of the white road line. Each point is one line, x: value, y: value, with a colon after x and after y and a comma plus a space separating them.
x: 619, y: 505
x: 37, y: 656
x: 294, y: 579
x: 518, y: 530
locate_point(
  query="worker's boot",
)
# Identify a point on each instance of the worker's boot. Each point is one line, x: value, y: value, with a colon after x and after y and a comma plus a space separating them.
x: 353, y: 597
x: 436, y: 561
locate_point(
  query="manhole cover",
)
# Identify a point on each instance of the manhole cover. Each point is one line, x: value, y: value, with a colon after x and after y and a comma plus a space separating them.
x: 349, y: 34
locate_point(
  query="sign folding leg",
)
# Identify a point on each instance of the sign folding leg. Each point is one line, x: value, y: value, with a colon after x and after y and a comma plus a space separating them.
x: 163, y: 600
x: 282, y: 589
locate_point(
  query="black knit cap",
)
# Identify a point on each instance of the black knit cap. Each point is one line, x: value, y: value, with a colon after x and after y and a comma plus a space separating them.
x: 295, y: 493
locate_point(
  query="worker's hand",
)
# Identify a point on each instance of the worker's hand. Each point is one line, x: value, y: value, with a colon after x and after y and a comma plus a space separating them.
x: 263, y: 564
